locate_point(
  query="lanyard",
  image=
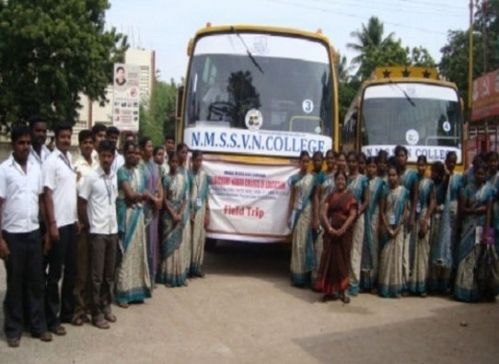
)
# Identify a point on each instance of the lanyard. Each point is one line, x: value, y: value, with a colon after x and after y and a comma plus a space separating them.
x: 66, y: 162
x: 109, y: 188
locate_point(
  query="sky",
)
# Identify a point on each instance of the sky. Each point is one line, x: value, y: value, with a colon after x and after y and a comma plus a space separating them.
x: 166, y: 26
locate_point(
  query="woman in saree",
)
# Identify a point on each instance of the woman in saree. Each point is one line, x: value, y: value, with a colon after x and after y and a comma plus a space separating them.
x: 300, y: 221
x: 358, y: 184
x: 152, y: 175
x: 477, y: 200
x: 341, y: 162
x: 493, y: 177
x: 338, y: 215
x: 440, y: 269
x: 393, y: 216
x: 408, y: 179
x: 382, y: 162
x: 200, y: 213
x: 370, y: 248
x: 133, y: 280
x: 175, y: 246
x: 418, y: 283
x: 362, y: 163
x: 325, y: 186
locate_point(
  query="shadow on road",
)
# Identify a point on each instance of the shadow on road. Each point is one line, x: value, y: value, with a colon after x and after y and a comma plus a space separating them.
x: 269, y: 262
x: 462, y: 334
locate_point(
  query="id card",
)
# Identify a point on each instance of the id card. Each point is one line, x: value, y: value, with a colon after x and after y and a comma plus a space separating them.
x: 199, y: 202
x: 391, y: 219
x: 478, y: 234
x: 299, y: 204
x: 418, y: 207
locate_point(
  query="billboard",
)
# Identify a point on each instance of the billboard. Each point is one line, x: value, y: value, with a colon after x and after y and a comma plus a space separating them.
x: 126, y: 96
x: 485, y: 96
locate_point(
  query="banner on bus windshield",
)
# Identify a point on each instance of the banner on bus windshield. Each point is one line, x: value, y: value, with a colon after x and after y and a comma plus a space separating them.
x: 254, y: 142
x: 248, y: 202
x: 432, y: 153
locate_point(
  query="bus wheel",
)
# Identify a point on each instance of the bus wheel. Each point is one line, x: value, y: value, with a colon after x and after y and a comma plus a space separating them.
x: 210, y: 245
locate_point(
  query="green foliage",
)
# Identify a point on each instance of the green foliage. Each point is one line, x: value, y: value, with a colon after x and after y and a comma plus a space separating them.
x: 374, y: 50
x: 159, y: 118
x: 50, y: 52
x: 455, y: 54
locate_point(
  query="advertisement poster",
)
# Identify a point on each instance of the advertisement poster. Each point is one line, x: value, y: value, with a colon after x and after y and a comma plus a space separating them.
x: 248, y: 202
x: 126, y: 97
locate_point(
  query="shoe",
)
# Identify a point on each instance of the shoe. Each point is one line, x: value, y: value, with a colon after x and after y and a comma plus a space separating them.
x: 101, y: 324
x: 122, y: 305
x: 45, y: 336
x: 13, y: 342
x: 58, y: 330
x: 110, y: 317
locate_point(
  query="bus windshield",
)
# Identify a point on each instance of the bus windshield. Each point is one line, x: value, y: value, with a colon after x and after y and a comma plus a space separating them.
x: 426, y: 118
x: 285, y: 81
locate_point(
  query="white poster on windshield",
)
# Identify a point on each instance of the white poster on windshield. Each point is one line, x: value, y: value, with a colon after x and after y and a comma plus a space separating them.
x: 126, y: 97
x: 248, y: 202
x: 432, y: 153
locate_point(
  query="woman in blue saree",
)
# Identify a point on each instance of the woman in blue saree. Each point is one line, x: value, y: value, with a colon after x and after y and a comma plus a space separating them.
x: 300, y: 220
x: 152, y: 175
x: 133, y: 279
x: 200, y: 213
x: 408, y: 179
x: 418, y: 283
x: 477, y: 209
x: 175, y: 251
x: 393, y: 216
x: 358, y: 185
x: 370, y: 249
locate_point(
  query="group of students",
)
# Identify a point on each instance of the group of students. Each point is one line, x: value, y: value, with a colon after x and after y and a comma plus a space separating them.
x: 373, y: 225
x: 109, y: 225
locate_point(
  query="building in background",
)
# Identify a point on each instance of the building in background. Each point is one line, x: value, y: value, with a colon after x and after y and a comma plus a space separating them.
x: 93, y: 112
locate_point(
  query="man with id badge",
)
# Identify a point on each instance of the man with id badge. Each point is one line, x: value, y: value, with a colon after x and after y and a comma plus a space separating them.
x: 59, y: 181
x: 97, y: 209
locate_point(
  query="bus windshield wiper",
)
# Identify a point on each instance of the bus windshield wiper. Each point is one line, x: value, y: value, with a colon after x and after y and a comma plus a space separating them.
x: 247, y: 50
x: 407, y: 97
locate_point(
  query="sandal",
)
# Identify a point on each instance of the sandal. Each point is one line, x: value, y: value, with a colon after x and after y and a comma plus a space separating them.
x: 101, y: 324
x: 77, y: 321
x: 110, y: 317
x: 122, y: 305
x: 345, y: 299
x: 58, y: 330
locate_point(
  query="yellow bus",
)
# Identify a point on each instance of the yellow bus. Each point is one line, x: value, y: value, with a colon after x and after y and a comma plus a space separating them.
x: 254, y: 98
x: 409, y: 106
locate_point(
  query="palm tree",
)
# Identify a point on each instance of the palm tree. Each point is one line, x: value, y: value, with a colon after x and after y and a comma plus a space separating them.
x: 370, y: 40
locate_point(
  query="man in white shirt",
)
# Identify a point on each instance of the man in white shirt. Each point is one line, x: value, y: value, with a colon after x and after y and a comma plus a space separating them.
x: 59, y: 181
x: 113, y: 135
x: 20, y: 241
x: 39, y: 151
x: 84, y: 165
x: 97, y: 211
x: 98, y: 134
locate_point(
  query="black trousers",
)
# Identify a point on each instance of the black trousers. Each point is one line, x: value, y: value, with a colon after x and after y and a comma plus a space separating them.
x: 102, y: 267
x: 61, y: 258
x: 25, y: 282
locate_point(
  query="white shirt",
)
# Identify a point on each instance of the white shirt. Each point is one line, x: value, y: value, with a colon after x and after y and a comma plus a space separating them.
x: 21, y: 192
x: 118, y: 162
x: 44, y: 153
x: 84, y: 168
x: 100, y: 191
x: 59, y: 176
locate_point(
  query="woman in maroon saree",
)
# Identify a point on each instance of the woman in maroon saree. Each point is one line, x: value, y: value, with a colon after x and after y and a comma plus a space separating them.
x: 338, y: 215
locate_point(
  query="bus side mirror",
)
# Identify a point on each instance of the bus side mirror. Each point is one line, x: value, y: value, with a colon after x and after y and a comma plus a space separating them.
x: 178, y: 105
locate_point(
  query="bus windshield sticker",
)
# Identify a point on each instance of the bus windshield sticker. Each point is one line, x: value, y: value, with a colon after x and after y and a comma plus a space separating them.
x: 253, y: 119
x: 318, y: 130
x: 412, y: 137
x: 446, y: 126
x: 308, y: 106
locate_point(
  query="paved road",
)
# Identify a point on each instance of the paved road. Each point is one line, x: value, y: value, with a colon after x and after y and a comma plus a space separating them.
x: 245, y: 311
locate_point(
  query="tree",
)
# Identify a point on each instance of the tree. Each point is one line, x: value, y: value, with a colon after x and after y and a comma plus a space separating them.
x: 50, y: 52
x: 375, y: 50
x: 159, y: 119
x: 454, y: 62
